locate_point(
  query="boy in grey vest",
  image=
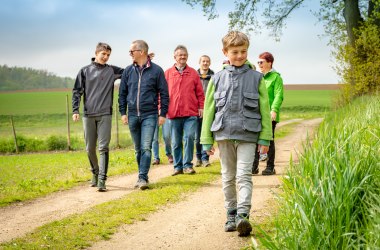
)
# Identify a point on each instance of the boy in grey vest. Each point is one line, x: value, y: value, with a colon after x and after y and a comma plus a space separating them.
x: 237, y: 116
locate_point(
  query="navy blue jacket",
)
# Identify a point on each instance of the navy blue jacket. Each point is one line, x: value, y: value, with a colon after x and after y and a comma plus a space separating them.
x: 143, y: 91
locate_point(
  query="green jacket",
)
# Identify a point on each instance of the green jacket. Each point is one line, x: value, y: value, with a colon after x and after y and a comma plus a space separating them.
x: 275, y: 87
x: 264, y: 136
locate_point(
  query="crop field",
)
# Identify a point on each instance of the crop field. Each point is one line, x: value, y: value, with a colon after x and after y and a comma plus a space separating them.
x: 41, y: 114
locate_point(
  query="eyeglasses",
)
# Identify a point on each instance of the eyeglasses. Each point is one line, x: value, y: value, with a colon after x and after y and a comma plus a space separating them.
x: 260, y: 62
x: 131, y: 51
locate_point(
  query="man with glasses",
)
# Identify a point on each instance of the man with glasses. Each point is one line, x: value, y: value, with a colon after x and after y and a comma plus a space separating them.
x: 142, y: 83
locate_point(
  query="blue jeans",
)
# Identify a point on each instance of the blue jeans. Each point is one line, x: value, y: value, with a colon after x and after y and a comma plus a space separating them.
x: 183, y: 129
x: 142, y: 131
x: 166, y: 127
x: 201, y: 154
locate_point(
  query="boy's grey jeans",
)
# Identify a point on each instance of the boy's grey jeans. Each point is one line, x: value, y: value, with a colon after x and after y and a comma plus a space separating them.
x: 236, y: 158
x: 98, y: 129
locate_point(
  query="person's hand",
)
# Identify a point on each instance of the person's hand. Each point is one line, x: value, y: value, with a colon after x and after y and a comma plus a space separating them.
x: 211, y: 151
x: 161, y: 120
x: 75, y: 117
x: 263, y: 149
x: 124, y: 119
x: 273, y: 115
x: 151, y: 55
x: 200, y: 113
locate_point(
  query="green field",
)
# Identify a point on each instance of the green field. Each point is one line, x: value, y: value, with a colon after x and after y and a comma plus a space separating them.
x: 39, y: 115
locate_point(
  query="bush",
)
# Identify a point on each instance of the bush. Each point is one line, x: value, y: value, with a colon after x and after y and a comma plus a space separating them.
x: 54, y: 142
x: 360, y: 64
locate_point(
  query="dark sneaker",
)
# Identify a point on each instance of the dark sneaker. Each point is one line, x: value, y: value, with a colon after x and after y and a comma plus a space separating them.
x: 255, y: 169
x: 170, y: 159
x: 243, y: 226
x: 198, y: 164
x: 102, y: 186
x: 177, y: 172
x: 189, y: 170
x: 206, y: 163
x: 156, y: 162
x: 94, y: 180
x: 269, y: 171
x: 230, y: 225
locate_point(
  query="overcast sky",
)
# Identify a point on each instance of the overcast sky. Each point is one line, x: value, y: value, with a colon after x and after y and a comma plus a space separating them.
x: 60, y: 36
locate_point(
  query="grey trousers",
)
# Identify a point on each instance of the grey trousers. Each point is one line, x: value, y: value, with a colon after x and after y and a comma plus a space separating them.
x: 98, y: 129
x: 236, y: 159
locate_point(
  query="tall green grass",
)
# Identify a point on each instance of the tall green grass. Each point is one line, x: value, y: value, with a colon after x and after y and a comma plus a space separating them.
x: 331, y: 199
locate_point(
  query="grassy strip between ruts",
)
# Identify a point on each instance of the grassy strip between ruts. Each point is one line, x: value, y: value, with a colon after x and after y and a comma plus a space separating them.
x: 100, y: 222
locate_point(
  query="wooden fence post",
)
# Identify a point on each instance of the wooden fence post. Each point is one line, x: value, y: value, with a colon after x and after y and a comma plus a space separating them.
x: 68, y: 123
x: 14, y: 134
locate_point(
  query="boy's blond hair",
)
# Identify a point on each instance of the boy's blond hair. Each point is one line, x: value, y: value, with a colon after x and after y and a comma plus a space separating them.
x: 234, y: 39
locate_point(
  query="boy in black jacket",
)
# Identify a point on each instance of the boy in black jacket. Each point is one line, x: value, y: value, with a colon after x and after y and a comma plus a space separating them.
x: 96, y: 83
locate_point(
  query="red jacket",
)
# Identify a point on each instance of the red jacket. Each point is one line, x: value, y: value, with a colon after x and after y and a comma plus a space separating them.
x: 186, y: 95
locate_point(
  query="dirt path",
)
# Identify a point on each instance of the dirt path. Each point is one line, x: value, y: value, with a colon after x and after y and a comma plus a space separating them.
x: 195, y: 223
x: 198, y: 221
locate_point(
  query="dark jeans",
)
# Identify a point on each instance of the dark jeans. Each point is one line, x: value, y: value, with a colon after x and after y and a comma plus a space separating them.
x: 142, y: 131
x: 201, y: 154
x: 271, y: 152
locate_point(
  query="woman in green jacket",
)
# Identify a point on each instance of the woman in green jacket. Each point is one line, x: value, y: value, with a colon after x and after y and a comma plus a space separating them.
x: 275, y: 87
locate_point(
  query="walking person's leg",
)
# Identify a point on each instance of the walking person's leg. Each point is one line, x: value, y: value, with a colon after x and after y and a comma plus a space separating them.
x: 90, y: 137
x: 148, y: 126
x: 190, y: 125
x: 177, y: 145
x: 104, y: 127
x: 227, y: 152
x: 197, y: 141
x: 156, y: 146
x: 269, y: 170
x: 134, y: 124
x: 244, y: 182
x: 166, y: 134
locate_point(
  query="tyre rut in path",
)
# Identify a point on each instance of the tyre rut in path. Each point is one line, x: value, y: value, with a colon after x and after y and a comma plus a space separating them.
x: 18, y: 219
x: 198, y: 221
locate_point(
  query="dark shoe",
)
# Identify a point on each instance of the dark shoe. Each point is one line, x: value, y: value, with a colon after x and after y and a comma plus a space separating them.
x: 94, y: 180
x: 189, y: 170
x: 269, y: 171
x: 170, y: 159
x: 156, y: 162
x: 206, y: 163
x: 243, y: 226
x: 230, y: 225
x: 198, y: 164
x: 255, y: 169
x: 177, y: 172
x: 102, y: 186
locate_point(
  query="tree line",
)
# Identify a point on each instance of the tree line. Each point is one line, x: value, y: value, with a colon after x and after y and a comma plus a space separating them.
x: 22, y: 78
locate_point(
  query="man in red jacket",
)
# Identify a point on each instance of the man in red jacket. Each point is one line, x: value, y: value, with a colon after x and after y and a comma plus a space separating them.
x: 185, y: 105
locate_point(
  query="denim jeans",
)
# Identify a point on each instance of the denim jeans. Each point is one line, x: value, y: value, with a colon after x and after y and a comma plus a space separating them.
x: 201, y: 154
x: 166, y: 135
x: 236, y: 159
x: 183, y: 130
x: 98, y: 129
x: 142, y: 131
x: 271, y: 151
